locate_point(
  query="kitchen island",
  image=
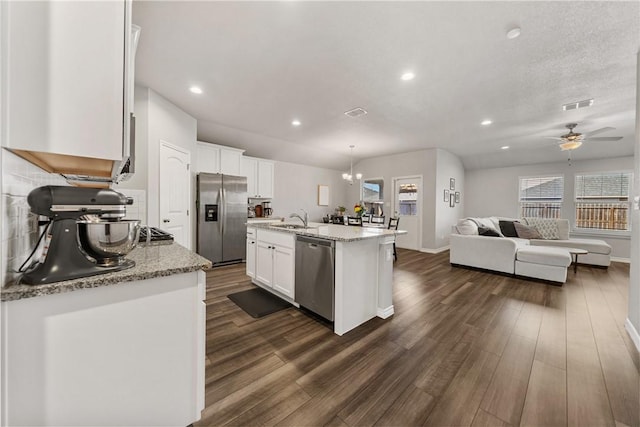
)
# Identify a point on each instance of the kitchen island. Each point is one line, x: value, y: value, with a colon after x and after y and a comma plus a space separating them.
x: 363, y: 267
x: 122, y: 348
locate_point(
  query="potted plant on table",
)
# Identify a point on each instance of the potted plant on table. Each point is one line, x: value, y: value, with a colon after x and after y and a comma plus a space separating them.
x: 359, y: 209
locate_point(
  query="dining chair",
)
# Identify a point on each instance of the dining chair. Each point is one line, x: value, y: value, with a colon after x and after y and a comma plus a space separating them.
x: 354, y: 220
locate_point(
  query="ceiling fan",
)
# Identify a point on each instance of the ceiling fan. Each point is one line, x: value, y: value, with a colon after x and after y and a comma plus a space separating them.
x: 573, y: 140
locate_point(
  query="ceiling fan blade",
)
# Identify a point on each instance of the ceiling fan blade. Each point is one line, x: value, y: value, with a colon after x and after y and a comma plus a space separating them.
x: 552, y: 137
x: 605, y: 138
x: 597, y: 131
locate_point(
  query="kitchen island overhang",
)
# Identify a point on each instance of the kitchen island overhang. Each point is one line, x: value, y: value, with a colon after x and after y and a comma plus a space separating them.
x: 363, y: 270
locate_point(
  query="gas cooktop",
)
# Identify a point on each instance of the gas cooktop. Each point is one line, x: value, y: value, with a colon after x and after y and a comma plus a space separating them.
x: 157, y: 236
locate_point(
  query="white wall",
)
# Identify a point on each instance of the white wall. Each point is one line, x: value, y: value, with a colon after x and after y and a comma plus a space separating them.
x: 431, y: 164
x: 296, y: 187
x: 447, y: 166
x: 157, y: 120
x: 634, y: 279
x: 495, y: 191
x: 387, y: 167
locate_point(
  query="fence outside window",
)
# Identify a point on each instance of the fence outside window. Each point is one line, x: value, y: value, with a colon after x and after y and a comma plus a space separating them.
x: 604, y: 216
x: 541, y: 196
x: 602, y: 200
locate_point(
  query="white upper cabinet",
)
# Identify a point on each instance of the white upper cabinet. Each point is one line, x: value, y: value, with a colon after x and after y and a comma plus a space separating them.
x: 230, y: 161
x: 259, y: 175
x: 214, y: 158
x: 65, y: 78
x: 265, y: 179
x: 249, y: 168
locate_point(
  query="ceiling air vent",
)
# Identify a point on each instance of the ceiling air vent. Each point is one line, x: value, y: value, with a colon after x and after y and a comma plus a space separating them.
x: 356, y: 112
x: 576, y: 105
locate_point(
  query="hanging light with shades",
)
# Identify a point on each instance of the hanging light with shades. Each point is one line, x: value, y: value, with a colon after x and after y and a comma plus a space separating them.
x: 349, y: 176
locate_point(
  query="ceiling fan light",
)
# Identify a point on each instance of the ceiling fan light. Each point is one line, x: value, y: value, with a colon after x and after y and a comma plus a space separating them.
x: 570, y: 145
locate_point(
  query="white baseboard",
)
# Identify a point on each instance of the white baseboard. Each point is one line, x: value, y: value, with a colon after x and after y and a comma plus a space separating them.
x: 435, y: 251
x: 633, y: 333
x: 383, y: 313
x: 624, y: 260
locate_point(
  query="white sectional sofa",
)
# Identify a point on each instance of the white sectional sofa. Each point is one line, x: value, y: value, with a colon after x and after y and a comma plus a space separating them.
x: 544, y: 259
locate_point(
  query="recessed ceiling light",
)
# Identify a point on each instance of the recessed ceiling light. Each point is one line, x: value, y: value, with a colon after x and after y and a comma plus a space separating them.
x: 486, y: 122
x: 513, y: 33
x: 296, y: 123
x: 408, y: 76
x: 195, y: 89
x: 504, y: 147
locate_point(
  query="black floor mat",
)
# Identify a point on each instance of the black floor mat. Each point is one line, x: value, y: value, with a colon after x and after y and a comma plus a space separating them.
x: 258, y: 302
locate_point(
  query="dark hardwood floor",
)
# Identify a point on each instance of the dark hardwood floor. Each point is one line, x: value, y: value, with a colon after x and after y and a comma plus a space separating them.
x: 463, y: 348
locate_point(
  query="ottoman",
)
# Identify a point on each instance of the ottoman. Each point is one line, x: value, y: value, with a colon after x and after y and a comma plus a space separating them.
x: 543, y: 262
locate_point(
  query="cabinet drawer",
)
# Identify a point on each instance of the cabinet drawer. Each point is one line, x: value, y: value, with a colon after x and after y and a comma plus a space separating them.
x: 251, y: 233
x: 274, y: 237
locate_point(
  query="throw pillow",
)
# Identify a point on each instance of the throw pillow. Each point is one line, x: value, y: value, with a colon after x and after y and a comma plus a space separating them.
x: 547, y: 227
x: 508, y: 229
x: 486, y: 231
x: 526, y: 232
x: 487, y: 223
x: 467, y: 227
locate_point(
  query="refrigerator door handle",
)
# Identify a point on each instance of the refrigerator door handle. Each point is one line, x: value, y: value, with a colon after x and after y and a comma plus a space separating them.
x: 221, y: 210
x: 224, y: 214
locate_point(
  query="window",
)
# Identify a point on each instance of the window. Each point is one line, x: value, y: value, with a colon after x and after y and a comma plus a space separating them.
x: 407, y: 199
x: 541, y: 196
x: 602, y: 200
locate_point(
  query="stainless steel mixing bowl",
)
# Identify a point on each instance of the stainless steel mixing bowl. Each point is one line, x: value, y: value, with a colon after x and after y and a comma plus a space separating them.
x: 108, y: 241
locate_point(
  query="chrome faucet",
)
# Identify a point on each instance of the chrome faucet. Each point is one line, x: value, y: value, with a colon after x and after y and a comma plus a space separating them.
x: 304, y: 220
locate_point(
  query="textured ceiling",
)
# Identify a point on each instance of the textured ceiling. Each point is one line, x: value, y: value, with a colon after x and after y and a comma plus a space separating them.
x: 262, y: 64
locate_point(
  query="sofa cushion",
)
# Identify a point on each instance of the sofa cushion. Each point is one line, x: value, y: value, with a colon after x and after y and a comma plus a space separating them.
x: 507, y: 228
x: 467, y: 227
x: 486, y: 231
x: 547, y: 227
x: 489, y: 222
x: 545, y: 255
x: 592, y: 245
x: 526, y: 232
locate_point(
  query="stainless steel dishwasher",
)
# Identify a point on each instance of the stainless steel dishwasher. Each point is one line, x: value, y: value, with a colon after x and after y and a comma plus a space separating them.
x: 315, y: 275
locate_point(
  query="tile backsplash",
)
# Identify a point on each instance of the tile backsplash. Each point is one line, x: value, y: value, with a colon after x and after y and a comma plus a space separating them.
x: 19, y: 226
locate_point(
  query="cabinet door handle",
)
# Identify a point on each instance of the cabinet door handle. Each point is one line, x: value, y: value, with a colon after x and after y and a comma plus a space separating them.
x: 166, y: 220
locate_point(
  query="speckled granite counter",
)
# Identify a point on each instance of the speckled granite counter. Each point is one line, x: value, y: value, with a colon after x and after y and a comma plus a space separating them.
x: 341, y: 233
x: 155, y: 261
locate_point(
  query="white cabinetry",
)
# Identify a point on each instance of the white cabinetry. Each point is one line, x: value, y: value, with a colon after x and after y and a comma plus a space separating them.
x: 136, y: 348
x: 65, y: 71
x: 251, y: 252
x: 214, y: 158
x: 259, y: 175
x: 275, y: 261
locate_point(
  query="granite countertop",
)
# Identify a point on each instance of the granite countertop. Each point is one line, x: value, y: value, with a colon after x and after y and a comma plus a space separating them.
x: 154, y: 261
x: 340, y: 233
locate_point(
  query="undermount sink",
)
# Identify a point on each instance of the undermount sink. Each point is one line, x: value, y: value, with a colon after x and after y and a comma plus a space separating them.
x: 288, y: 226
x: 291, y: 226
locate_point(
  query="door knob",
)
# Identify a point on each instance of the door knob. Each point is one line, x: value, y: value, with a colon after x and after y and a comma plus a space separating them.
x: 166, y: 220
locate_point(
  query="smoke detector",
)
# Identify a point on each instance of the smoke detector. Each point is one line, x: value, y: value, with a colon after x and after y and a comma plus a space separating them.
x: 356, y: 112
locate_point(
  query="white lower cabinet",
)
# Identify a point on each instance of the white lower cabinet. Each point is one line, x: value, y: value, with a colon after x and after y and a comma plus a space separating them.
x: 251, y: 252
x: 275, y: 261
x: 128, y: 354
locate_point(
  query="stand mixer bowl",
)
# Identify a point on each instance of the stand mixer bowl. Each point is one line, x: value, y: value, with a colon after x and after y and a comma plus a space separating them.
x: 108, y: 241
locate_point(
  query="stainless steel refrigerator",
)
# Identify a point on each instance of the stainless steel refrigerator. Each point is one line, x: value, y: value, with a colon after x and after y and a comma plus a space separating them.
x: 221, y: 204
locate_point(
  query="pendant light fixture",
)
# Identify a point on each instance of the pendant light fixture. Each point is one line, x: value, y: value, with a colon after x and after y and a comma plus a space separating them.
x: 349, y: 176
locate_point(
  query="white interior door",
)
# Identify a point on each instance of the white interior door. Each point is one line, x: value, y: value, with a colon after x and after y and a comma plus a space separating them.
x: 175, y: 193
x: 407, y: 202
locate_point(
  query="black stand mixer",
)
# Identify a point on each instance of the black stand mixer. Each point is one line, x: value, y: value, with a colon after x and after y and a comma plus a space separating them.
x: 87, y: 237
